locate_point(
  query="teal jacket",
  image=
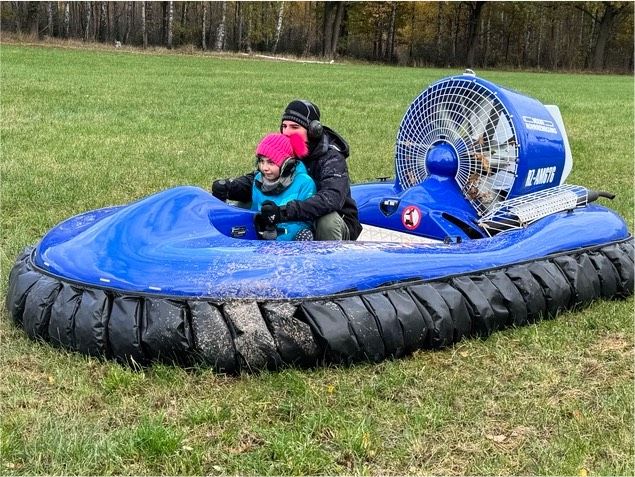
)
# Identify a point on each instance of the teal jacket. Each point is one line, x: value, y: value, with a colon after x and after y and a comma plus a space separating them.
x: 302, y: 187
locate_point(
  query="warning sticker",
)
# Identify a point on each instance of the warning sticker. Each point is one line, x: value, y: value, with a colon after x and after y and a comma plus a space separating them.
x: 411, y: 217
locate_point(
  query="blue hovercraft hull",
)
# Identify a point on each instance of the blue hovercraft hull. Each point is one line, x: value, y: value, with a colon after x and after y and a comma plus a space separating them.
x: 162, y: 279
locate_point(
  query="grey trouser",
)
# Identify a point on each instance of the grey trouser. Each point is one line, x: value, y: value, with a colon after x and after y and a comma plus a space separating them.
x: 331, y: 227
x: 328, y: 227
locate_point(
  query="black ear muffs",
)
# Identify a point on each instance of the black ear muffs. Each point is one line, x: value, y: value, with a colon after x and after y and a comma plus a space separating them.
x: 315, y: 130
x: 288, y: 168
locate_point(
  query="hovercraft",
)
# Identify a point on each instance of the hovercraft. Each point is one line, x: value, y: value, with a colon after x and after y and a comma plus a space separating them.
x: 478, y: 232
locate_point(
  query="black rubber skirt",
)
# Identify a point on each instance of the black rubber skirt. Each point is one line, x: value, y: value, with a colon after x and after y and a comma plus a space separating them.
x: 249, y: 335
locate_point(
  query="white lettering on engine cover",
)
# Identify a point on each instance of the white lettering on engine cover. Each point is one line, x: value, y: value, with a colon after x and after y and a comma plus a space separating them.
x: 544, y: 175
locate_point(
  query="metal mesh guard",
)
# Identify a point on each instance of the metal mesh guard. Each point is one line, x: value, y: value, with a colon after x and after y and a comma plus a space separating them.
x: 522, y: 211
x: 468, y: 116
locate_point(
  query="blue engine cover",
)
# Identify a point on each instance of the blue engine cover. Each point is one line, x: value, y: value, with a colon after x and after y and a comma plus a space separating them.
x: 435, y: 209
x: 480, y: 143
x: 541, y: 142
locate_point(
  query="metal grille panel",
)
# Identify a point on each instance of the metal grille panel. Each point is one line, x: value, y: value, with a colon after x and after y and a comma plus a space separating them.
x: 523, y: 211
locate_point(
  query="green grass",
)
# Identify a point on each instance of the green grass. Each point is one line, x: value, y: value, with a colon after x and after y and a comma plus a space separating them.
x: 86, y: 129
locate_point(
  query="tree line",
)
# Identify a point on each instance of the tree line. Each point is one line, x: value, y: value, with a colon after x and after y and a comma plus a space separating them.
x: 551, y: 35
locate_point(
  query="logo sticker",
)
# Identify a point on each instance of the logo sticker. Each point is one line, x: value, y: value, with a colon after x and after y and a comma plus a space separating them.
x: 389, y: 206
x: 411, y: 217
x: 543, y: 125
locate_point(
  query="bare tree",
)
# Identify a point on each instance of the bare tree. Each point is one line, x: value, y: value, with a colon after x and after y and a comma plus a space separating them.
x: 170, y: 23
x: 220, y: 31
x: 129, y: 20
x: 94, y: 14
x: 103, y: 22
x: 330, y: 12
x: 605, y: 25
x: 242, y: 15
x: 204, y: 27
x: 49, y: 18
x: 183, y: 14
x: 390, y: 47
x: 278, y: 27
x: 87, y: 12
x: 473, y: 30
x: 603, y: 20
x: 67, y: 19
x: 488, y: 36
x: 17, y: 17
x: 341, y: 10
x: 238, y: 26
x: 378, y: 37
x: 144, y: 30
x: 411, y: 40
x: 32, y: 19
x: 539, y: 47
x: 112, y: 15
x: 439, y: 28
x: 116, y: 30
x: 456, y: 23
x: 309, y: 23
x: 333, y: 14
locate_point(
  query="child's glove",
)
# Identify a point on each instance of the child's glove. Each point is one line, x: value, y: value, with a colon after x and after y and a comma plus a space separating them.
x: 270, y: 214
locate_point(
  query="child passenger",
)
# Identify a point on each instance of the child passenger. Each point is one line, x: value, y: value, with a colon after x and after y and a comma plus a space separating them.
x: 281, y: 178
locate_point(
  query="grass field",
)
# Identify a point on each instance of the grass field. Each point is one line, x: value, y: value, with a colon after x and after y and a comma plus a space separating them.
x: 87, y: 129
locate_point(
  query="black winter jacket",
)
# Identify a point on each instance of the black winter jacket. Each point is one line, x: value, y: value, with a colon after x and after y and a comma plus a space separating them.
x: 326, y: 164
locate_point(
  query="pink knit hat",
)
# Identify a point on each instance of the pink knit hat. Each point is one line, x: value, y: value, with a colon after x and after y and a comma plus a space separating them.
x: 278, y: 148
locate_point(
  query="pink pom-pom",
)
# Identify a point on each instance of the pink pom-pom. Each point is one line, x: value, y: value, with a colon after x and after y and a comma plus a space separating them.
x: 298, y: 145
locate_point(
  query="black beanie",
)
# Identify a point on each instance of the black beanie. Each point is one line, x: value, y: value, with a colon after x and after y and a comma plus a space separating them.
x: 302, y: 112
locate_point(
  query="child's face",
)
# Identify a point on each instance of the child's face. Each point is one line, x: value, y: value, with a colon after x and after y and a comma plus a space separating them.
x: 268, y: 168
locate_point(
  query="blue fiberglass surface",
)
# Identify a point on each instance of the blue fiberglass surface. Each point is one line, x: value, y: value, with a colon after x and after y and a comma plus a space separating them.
x: 435, y: 198
x: 176, y: 243
x: 540, y: 139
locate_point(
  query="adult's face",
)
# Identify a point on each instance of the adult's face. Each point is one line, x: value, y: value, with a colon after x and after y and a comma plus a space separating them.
x: 291, y: 127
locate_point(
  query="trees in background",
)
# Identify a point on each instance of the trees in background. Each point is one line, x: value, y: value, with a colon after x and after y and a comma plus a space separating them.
x: 333, y: 13
x: 552, y: 35
x: 604, y: 19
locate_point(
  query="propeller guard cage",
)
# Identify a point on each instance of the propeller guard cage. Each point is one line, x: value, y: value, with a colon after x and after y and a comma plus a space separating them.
x: 495, y: 143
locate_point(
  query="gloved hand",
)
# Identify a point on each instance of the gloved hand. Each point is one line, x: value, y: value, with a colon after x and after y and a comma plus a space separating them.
x: 220, y: 189
x: 270, y: 214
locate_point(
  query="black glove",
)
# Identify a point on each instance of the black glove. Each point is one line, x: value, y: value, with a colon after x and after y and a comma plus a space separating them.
x: 270, y: 214
x: 220, y: 189
x: 269, y: 233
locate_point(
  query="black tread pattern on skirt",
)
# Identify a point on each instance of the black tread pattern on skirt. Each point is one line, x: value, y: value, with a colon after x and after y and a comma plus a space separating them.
x: 250, y: 335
